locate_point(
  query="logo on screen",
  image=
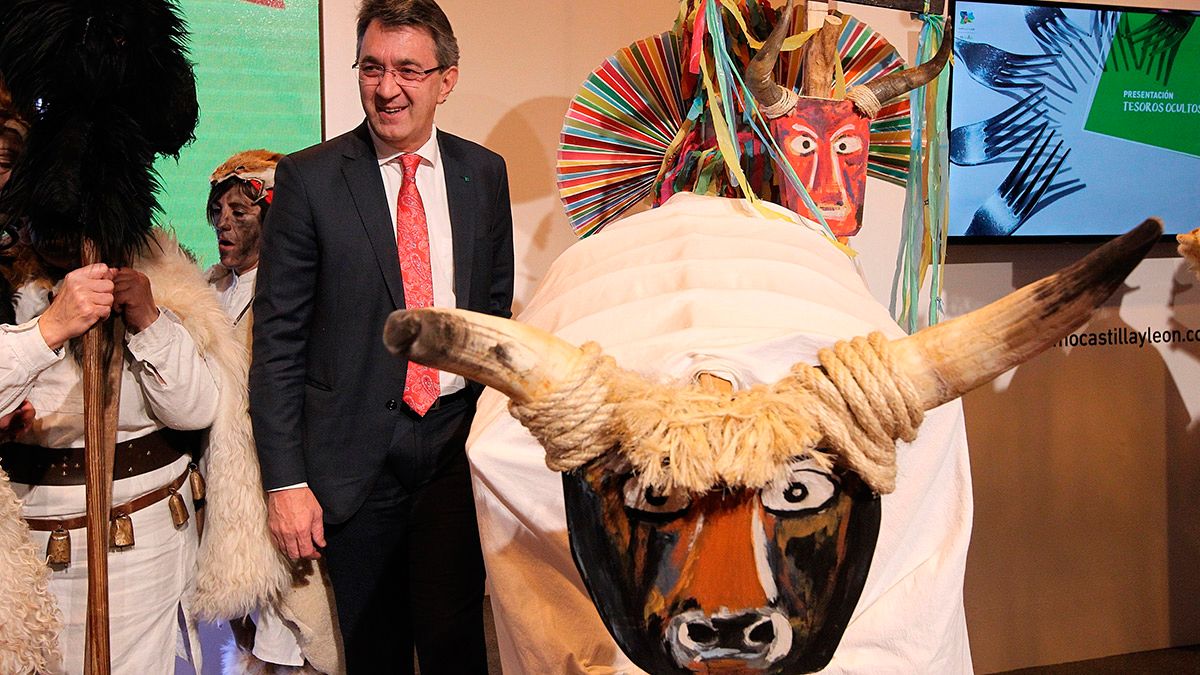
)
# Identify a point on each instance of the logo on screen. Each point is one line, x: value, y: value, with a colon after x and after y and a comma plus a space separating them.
x: 965, y: 17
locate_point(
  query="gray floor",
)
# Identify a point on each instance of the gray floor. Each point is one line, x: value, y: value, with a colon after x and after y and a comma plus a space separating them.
x: 1176, y: 661
x: 214, y: 636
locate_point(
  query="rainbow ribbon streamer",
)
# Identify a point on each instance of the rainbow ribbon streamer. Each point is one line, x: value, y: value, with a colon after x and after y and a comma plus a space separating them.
x: 922, y: 250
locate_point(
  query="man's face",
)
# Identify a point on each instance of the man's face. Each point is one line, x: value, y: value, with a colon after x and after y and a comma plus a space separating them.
x: 401, y: 112
x: 238, y: 224
x: 8, y: 156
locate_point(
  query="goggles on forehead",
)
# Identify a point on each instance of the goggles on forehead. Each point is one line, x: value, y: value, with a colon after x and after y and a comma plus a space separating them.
x: 261, y: 184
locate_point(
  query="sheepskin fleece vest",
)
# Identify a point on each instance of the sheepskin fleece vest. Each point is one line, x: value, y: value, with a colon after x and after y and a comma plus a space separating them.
x: 307, y: 601
x: 237, y: 566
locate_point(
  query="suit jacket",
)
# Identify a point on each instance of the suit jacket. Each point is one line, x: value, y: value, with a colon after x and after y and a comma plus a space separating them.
x: 325, y: 394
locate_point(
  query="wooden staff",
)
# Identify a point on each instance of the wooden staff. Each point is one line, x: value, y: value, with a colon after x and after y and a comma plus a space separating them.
x: 101, y: 393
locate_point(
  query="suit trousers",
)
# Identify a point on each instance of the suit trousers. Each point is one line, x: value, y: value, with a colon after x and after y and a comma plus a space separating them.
x: 406, y: 568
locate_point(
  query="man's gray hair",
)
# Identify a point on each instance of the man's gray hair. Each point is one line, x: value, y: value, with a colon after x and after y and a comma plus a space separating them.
x: 417, y: 14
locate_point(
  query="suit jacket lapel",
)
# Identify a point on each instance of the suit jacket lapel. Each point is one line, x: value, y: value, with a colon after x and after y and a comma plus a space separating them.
x: 361, y: 171
x: 463, y: 196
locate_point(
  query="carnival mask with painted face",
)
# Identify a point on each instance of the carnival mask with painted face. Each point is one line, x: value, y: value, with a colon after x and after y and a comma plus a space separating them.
x: 240, y: 191
x: 746, y: 579
x: 826, y: 141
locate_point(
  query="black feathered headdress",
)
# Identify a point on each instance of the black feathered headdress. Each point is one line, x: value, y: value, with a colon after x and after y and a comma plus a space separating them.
x: 106, y: 87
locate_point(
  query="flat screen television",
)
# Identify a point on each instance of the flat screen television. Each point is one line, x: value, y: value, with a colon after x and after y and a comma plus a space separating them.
x: 1072, y: 121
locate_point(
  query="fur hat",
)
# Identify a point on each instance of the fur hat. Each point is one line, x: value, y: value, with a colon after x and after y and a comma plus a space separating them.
x: 254, y: 167
x: 105, y: 88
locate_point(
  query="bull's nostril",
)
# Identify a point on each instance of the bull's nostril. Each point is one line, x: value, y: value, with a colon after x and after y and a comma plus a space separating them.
x: 763, y: 633
x: 701, y: 633
x: 747, y: 641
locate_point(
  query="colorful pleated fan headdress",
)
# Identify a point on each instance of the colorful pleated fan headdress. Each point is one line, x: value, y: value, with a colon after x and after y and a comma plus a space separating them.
x: 670, y: 113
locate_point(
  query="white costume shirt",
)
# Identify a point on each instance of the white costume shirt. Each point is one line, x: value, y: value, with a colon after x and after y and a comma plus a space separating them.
x: 165, y: 382
x: 236, y: 292
x: 274, y: 641
x: 431, y: 183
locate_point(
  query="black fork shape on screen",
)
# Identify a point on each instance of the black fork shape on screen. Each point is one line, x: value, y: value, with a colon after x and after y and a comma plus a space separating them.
x: 1027, y: 189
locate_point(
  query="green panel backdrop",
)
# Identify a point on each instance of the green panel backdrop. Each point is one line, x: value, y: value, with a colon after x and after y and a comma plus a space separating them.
x: 258, y: 79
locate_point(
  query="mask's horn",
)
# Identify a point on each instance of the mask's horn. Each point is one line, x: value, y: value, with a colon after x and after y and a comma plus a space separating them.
x: 870, y: 96
x: 519, y: 360
x: 760, y: 78
x: 949, y: 359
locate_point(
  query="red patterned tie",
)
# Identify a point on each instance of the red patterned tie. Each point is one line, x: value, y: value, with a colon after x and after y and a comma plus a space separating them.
x: 421, y: 387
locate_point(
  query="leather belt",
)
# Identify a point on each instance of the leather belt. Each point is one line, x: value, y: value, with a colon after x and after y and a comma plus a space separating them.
x: 128, y: 508
x: 35, y: 465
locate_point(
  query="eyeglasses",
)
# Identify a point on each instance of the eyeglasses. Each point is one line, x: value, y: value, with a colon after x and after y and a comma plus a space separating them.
x: 372, y: 73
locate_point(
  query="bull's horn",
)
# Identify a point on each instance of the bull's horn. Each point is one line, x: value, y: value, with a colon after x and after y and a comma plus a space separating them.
x: 760, y: 78
x: 949, y: 359
x: 519, y: 360
x: 894, y: 84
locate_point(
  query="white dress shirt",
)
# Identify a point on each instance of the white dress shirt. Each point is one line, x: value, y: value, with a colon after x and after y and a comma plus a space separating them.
x: 431, y: 183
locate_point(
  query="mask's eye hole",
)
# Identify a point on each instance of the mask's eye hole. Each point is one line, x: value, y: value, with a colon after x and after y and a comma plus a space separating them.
x: 654, y: 502
x: 847, y: 145
x: 802, y: 144
x: 806, y: 488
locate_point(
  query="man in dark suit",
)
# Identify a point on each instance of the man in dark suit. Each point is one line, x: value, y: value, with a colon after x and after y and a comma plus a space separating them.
x: 363, y: 454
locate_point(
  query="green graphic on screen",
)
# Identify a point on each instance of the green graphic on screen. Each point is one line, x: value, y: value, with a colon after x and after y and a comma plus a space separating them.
x: 1148, y: 92
x: 258, y: 80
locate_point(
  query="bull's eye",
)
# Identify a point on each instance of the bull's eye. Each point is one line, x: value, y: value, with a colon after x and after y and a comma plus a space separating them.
x: 807, y: 487
x: 802, y: 144
x: 652, y: 501
x: 847, y: 145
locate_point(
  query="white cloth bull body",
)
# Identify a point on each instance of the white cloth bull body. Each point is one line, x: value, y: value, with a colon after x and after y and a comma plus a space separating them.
x: 708, y: 284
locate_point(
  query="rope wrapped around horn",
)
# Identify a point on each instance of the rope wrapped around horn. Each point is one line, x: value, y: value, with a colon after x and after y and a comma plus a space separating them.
x: 867, y: 393
x: 580, y: 405
x: 559, y: 391
x: 870, y: 97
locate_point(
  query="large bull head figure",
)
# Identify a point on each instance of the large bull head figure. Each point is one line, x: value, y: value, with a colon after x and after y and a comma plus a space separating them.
x: 733, y: 531
x: 826, y: 141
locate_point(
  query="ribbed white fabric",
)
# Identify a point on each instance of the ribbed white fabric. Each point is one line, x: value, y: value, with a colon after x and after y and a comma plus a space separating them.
x: 704, y: 281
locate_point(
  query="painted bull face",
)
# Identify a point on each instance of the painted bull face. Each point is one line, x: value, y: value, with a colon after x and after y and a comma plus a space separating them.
x: 735, y: 579
x: 729, y: 581
x: 826, y: 142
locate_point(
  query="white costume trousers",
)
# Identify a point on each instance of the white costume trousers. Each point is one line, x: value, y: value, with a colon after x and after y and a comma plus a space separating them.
x: 148, y: 582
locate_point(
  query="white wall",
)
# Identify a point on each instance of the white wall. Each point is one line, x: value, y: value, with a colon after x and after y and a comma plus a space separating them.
x: 521, y: 64
x: 1087, y: 526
